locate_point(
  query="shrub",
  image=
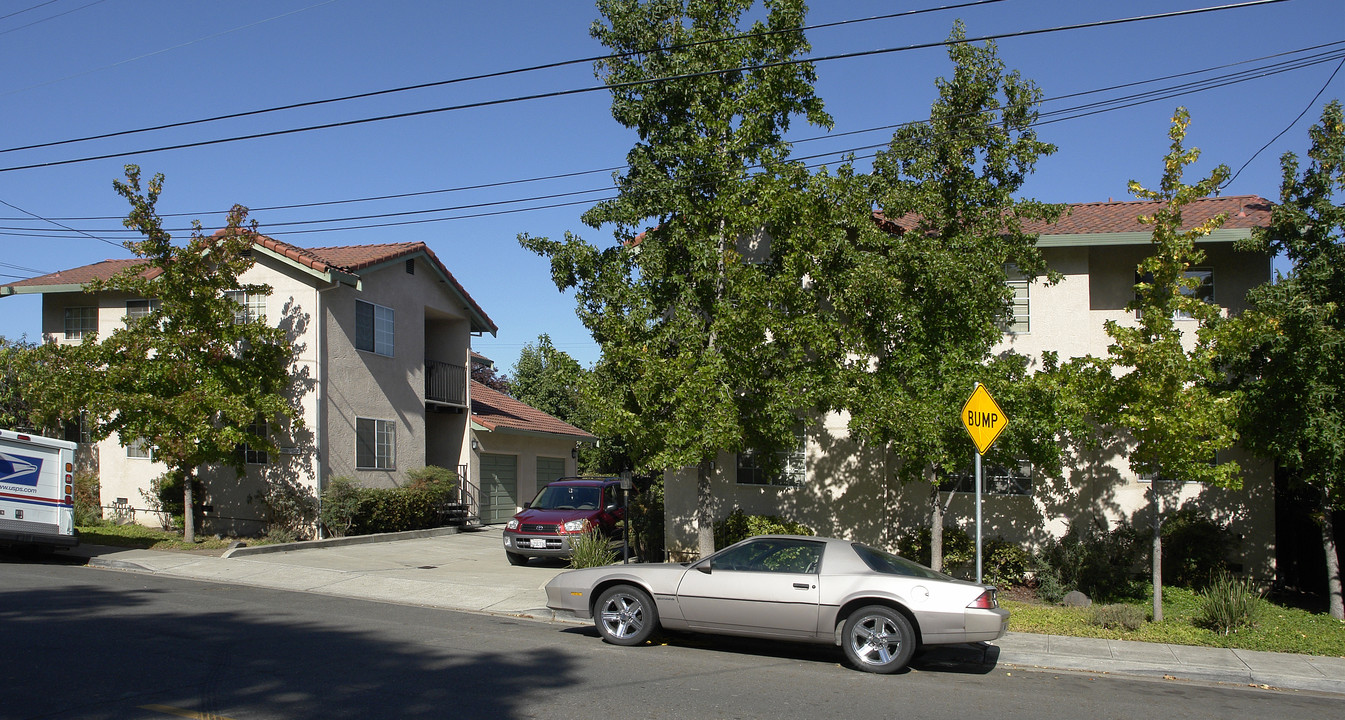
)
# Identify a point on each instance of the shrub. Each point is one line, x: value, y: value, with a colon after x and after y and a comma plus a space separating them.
x: 959, y: 549
x: 1005, y: 564
x: 292, y: 508
x: 1095, y: 562
x: 1229, y: 604
x: 351, y: 510
x: 1118, y: 616
x: 591, y: 549
x: 740, y: 526
x: 645, y: 516
x: 1195, y: 549
x: 88, y: 508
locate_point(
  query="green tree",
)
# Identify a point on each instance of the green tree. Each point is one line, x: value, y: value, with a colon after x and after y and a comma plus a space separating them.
x: 1286, y: 354
x: 923, y: 297
x: 192, y: 377
x: 1163, y: 395
x: 16, y: 361
x: 549, y: 379
x: 700, y: 308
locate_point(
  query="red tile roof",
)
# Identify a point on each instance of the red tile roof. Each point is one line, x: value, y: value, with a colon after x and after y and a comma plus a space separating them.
x: 346, y: 259
x: 495, y: 411
x: 1243, y: 211
x: 104, y: 270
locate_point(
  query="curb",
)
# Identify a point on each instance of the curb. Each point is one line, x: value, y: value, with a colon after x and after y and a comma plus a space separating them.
x: 245, y: 550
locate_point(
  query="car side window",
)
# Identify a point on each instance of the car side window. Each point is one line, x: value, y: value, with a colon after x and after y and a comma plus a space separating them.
x: 780, y: 555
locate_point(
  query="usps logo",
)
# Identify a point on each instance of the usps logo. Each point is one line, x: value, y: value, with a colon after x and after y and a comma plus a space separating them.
x: 19, y: 470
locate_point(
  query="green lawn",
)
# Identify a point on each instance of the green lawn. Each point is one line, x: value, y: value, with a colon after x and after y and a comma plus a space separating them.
x: 139, y: 536
x: 1280, y: 628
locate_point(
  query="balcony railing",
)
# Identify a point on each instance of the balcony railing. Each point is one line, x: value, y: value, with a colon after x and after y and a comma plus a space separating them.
x: 445, y: 383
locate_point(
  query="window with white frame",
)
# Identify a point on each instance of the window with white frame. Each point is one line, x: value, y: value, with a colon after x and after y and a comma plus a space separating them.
x: 138, y: 448
x: 1020, y: 310
x: 375, y: 444
x: 787, y: 469
x: 80, y: 322
x: 373, y: 328
x: 139, y: 308
x: 251, y: 306
x: 995, y: 479
x: 1203, y: 292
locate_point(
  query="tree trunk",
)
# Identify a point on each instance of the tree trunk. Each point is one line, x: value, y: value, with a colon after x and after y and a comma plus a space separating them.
x: 1156, y: 502
x: 935, y: 526
x: 188, y: 517
x: 1333, y: 585
x: 705, y: 521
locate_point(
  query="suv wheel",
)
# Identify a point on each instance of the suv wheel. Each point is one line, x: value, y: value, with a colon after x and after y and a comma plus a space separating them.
x: 516, y: 559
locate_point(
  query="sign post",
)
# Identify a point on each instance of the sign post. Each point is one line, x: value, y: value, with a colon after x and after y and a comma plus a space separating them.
x: 984, y: 421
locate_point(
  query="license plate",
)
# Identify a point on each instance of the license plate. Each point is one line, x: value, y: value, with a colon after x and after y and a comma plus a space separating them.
x: 539, y: 543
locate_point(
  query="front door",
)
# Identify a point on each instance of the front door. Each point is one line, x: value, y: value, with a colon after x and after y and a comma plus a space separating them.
x: 499, y: 487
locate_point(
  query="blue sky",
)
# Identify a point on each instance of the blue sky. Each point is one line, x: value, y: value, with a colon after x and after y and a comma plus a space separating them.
x: 74, y: 68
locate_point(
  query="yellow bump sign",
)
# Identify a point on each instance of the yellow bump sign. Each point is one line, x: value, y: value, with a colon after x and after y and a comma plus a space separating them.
x: 983, y: 419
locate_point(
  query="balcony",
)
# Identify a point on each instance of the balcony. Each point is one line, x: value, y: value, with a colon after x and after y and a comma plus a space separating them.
x: 445, y: 384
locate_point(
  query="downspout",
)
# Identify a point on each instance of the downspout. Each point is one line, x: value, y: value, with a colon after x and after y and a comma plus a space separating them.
x: 320, y: 414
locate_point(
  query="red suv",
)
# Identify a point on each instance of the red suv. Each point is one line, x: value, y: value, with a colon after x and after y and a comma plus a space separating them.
x: 566, y: 507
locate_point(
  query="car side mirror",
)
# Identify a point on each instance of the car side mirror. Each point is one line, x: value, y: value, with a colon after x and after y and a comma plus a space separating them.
x: 613, y: 507
x: 527, y: 505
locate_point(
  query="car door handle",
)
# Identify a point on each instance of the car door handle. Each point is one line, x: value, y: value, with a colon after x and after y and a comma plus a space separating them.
x: 802, y: 586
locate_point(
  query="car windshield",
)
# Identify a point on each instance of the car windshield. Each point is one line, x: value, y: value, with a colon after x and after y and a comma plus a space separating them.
x: 567, y: 497
x: 886, y: 562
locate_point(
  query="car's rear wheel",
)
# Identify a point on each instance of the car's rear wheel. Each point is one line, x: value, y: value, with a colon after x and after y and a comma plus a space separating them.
x: 625, y: 615
x: 516, y: 559
x: 878, y: 639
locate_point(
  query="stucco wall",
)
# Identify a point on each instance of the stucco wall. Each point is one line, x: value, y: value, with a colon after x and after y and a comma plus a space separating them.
x: 852, y: 492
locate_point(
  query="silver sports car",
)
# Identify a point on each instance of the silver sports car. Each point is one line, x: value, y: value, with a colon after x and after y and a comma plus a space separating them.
x: 876, y: 605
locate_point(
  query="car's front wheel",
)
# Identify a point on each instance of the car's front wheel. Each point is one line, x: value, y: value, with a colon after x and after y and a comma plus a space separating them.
x: 878, y: 639
x: 516, y: 559
x: 625, y: 615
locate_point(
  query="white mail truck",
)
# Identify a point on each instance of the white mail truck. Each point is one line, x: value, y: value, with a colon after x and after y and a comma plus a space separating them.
x: 37, y: 491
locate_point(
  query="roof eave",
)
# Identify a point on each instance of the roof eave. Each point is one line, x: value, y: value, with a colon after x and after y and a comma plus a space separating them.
x: 1140, y: 237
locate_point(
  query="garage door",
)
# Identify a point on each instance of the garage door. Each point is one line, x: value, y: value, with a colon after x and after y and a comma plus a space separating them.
x: 499, y: 488
x: 549, y: 470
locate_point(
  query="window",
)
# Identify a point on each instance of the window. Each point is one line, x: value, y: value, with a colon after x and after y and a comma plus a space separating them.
x: 252, y: 306
x: 781, y: 555
x: 789, y: 466
x: 373, y: 328
x: 139, y: 308
x: 375, y: 444
x: 138, y: 448
x: 252, y: 456
x: 1203, y: 292
x: 76, y: 430
x: 996, y: 479
x: 1020, y: 318
x: 80, y: 322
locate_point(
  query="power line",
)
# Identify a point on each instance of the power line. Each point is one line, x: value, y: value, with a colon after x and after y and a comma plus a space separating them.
x: 39, y: 217
x: 614, y: 86
x: 1050, y: 117
x: 1281, y: 133
x: 484, y: 76
x: 50, y: 17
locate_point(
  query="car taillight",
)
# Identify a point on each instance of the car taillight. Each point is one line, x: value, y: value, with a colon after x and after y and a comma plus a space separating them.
x: 985, y: 601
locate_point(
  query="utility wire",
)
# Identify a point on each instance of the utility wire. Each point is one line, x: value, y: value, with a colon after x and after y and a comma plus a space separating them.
x: 614, y: 86
x: 51, y: 17
x: 484, y: 76
x: 53, y: 222
x: 1324, y: 56
x: 1070, y: 113
x: 1311, y: 102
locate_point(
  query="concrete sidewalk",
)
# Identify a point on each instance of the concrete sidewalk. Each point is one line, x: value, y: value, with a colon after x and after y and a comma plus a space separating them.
x: 467, y: 571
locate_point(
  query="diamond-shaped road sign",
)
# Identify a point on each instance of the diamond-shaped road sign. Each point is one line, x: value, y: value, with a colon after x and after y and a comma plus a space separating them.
x: 983, y: 419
